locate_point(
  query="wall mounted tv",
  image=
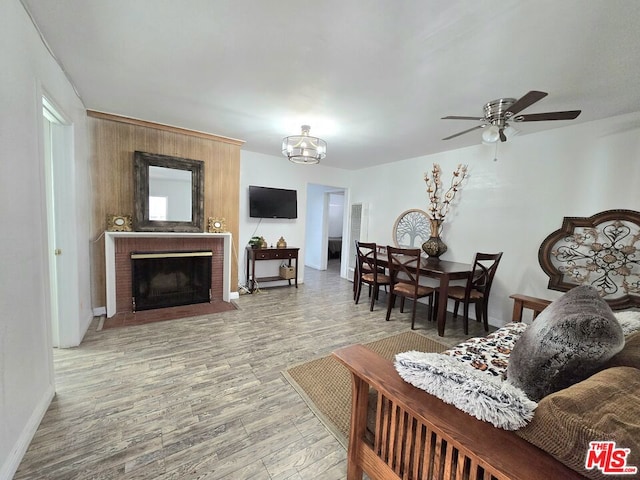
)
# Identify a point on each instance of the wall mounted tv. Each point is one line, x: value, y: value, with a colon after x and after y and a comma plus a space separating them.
x: 266, y: 202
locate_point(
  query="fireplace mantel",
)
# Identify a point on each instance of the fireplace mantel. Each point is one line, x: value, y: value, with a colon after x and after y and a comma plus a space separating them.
x: 110, y: 260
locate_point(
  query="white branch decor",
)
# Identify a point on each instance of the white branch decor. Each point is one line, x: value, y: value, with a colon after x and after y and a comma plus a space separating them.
x: 439, y: 205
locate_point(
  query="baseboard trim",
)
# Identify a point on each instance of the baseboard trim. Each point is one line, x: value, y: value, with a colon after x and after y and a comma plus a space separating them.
x: 10, y: 466
x: 99, y: 311
x: 234, y: 296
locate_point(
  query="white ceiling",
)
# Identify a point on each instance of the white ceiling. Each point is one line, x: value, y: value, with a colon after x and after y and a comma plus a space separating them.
x: 371, y: 77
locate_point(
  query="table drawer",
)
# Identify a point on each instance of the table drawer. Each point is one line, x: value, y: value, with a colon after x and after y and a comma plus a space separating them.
x: 274, y: 254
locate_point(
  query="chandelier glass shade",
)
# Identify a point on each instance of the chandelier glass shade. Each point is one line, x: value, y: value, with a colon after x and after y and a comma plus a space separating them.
x: 491, y: 134
x: 304, y: 148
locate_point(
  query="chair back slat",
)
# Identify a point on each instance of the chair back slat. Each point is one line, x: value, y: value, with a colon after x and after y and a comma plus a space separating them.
x: 367, y: 253
x: 485, y: 266
x: 403, y: 265
x: 368, y: 271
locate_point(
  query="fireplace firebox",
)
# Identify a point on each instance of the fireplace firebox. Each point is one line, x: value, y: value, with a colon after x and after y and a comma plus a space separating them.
x: 170, y: 279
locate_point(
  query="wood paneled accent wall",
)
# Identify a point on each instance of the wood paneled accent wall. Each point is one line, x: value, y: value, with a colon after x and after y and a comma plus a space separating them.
x: 114, y: 139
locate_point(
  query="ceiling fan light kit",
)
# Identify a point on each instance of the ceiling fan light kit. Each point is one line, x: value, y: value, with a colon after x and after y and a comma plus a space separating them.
x: 491, y: 134
x: 304, y: 149
x: 498, y: 113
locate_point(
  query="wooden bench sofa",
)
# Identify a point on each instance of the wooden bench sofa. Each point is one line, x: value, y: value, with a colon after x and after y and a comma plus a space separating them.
x: 417, y: 436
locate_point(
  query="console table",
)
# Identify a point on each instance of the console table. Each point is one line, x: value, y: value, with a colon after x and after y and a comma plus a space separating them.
x: 256, y: 254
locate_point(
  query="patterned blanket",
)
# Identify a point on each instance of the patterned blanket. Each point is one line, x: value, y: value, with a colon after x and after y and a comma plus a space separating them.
x: 471, y: 377
x: 489, y: 354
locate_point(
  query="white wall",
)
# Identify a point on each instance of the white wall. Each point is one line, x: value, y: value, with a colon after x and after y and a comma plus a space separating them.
x: 276, y: 171
x: 26, y: 368
x: 512, y: 204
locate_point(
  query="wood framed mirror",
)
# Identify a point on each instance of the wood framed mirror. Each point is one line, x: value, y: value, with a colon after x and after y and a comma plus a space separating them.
x: 169, y: 193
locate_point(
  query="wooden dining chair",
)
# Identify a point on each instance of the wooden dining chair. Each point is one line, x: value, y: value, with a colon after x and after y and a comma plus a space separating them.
x: 477, y: 289
x: 405, y: 280
x: 369, y: 271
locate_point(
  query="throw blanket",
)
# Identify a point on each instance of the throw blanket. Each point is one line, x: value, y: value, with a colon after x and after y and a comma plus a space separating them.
x: 489, y: 354
x: 470, y: 376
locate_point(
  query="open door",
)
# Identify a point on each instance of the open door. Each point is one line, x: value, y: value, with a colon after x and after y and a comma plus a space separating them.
x: 359, y: 225
x: 61, y: 229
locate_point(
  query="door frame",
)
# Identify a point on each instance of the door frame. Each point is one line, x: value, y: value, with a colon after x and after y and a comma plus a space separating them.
x: 59, y: 186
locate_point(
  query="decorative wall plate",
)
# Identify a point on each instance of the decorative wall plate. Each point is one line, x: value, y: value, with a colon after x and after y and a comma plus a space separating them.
x: 602, y: 251
x: 119, y: 223
x: 412, y: 229
x: 217, y: 225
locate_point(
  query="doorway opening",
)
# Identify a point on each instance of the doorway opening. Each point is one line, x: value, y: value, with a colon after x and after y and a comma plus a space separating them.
x: 325, y: 241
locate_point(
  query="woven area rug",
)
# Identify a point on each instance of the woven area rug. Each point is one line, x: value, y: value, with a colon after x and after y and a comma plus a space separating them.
x: 325, y: 384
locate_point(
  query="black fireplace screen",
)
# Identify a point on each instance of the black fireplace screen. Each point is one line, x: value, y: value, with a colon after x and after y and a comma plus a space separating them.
x: 170, y: 279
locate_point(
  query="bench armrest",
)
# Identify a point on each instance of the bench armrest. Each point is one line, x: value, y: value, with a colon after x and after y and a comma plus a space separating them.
x: 520, y: 302
x: 498, y: 452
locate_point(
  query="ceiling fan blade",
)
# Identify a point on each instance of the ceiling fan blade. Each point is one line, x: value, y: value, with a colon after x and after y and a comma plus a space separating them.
x: 503, y: 137
x: 463, y: 132
x: 456, y: 117
x: 525, y: 101
x: 536, y: 117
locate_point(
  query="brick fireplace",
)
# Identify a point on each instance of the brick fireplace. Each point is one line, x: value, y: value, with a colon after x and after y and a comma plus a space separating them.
x: 171, y: 279
x: 119, y: 246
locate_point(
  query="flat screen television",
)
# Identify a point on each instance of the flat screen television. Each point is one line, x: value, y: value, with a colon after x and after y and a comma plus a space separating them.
x: 266, y: 202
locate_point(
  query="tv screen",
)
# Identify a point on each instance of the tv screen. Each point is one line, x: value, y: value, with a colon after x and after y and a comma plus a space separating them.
x: 265, y: 202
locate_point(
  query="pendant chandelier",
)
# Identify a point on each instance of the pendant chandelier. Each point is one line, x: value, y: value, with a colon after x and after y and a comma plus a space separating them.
x: 304, y: 148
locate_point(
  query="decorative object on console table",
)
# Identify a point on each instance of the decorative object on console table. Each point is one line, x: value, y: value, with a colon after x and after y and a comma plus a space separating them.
x: 439, y: 206
x: 282, y: 243
x: 118, y: 223
x: 255, y: 242
x: 217, y: 225
x: 287, y: 272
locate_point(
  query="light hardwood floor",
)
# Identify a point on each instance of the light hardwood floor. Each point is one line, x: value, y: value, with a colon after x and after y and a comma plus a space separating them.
x: 204, y: 398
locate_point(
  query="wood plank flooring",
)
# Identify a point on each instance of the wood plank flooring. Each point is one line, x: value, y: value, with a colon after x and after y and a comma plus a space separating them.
x: 203, y: 397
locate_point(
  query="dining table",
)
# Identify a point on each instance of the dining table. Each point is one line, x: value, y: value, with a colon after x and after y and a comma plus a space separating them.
x: 443, y: 270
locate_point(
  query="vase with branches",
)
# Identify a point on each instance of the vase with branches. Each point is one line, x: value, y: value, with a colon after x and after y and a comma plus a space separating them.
x: 439, y: 204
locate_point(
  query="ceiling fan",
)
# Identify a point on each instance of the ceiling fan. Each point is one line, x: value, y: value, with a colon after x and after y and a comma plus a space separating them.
x: 499, y: 113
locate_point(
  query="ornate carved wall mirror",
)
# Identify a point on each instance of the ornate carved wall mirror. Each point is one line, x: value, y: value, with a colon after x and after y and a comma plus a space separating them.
x: 169, y: 193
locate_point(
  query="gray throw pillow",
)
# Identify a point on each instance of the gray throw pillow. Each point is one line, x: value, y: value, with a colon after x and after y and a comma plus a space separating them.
x: 567, y: 343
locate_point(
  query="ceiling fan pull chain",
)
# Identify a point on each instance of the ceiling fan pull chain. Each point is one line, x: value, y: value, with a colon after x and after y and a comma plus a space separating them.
x: 495, y: 153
